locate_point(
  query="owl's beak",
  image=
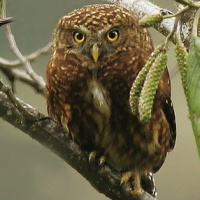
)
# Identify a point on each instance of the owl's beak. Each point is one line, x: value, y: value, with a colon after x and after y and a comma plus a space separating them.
x: 95, y: 52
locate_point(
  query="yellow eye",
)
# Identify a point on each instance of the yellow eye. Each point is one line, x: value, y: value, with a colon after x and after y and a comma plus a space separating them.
x: 113, y: 35
x: 78, y: 37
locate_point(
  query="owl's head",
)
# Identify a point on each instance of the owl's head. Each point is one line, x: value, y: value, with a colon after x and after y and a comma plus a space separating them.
x: 95, y: 32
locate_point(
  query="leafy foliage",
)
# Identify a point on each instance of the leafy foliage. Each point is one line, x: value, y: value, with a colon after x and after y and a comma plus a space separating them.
x: 193, y: 84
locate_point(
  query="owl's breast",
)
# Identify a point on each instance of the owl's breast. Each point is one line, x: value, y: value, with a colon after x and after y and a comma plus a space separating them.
x: 91, y: 112
x: 100, y: 97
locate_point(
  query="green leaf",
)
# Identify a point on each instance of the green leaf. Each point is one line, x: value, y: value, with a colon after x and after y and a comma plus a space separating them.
x: 193, y: 85
x: 2, y: 8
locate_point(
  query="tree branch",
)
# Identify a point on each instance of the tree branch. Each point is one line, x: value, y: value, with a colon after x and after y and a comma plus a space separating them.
x: 144, y: 7
x: 21, y: 115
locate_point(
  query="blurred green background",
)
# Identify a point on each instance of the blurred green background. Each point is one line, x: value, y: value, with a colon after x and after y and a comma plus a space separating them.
x: 29, y: 170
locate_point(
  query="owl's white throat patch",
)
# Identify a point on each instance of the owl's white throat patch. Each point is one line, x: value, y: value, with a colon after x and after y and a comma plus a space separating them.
x: 100, y: 97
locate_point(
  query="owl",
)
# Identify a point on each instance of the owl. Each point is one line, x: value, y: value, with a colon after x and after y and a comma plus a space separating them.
x: 97, y: 53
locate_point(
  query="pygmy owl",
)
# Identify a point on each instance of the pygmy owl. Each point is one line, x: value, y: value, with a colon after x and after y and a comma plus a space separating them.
x: 97, y: 53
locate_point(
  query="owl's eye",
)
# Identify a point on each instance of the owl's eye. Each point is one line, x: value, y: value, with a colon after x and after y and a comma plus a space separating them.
x: 113, y: 35
x: 78, y: 37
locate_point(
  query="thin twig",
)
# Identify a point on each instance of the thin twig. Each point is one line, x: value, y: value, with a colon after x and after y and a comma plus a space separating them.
x: 38, y: 79
x: 180, y: 12
x: 16, y: 74
x: 5, y: 20
x: 173, y: 31
x: 31, y: 57
x: 190, y: 3
x: 176, y: 21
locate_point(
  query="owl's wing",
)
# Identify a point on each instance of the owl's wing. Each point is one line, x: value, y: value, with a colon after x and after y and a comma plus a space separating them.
x: 168, y: 111
x: 170, y: 116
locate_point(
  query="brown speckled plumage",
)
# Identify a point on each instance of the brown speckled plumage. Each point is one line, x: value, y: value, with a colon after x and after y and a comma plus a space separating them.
x: 91, y: 99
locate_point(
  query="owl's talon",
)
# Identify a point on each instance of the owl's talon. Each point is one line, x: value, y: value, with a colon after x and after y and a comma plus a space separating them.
x: 125, y: 177
x: 92, y: 156
x: 102, y: 160
x: 137, y: 192
x: 134, y: 178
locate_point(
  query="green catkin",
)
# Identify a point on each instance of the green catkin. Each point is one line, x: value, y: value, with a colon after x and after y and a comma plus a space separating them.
x: 181, y: 56
x: 151, y: 20
x: 139, y: 81
x: 150, y: 87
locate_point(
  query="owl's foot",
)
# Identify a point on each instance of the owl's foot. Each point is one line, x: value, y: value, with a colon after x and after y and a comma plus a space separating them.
x: 125, y: 177
x: 134, y: 178
x: 93, y: 156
